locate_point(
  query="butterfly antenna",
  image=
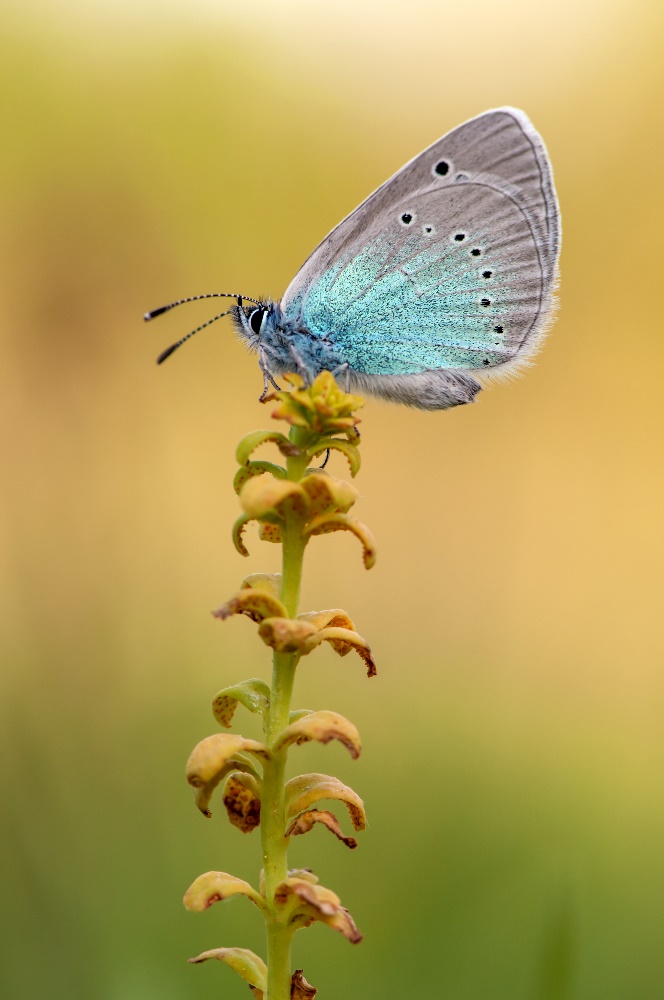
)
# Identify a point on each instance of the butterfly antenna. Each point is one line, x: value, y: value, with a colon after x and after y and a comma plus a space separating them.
x: 194, y: 298
x: 169, y: 350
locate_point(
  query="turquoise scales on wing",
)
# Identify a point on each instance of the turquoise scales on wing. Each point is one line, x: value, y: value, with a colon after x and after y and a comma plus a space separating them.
x: 404, y: 320
x: 431, y: 300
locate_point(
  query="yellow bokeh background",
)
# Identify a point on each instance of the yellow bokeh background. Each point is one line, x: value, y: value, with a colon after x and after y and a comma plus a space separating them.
x: 513, y: 738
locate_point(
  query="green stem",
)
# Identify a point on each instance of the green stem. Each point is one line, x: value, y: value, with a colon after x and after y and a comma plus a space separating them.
x: 273, y: 811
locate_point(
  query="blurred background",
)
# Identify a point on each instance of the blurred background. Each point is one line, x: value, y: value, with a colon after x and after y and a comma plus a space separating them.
x: 513, y: 739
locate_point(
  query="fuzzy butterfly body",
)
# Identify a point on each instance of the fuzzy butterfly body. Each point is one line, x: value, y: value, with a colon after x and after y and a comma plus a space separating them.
x: 444, y: 273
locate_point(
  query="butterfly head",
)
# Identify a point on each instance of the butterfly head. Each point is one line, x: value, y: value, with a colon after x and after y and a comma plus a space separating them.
x: 252, y: 321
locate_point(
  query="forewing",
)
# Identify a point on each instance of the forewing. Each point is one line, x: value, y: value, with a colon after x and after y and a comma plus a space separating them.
x: 466, y: 281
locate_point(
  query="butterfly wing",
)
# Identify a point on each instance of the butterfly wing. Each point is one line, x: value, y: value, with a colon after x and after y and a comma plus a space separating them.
x: 450, y: 265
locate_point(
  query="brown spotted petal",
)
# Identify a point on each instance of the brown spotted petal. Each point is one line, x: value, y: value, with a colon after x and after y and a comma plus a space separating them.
x: 252, y: 441
x: 285, y: 635
x: 315, y: 902
x: 342, y: 522
x: 213, y: 758
x: 323, y: 727
x: 254, y: 694
x: 242, y: 801
x: 269, y: 498
x: 269, y: 532
x: 271, y: 582
x: 307, y: 789
x: 307, y: 820
x: 300, y: 988
x: 248, y: 965
x: 342, y: 641
x: 213, y: 887
x: 328, y: 494
x: 252, y: 602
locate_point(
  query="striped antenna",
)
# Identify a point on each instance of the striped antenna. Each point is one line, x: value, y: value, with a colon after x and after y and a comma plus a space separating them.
x: 169, y: 350
x: 194, y: 298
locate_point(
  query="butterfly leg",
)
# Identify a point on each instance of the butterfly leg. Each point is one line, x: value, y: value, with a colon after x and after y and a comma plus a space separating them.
x: 300, y: 365
x: 267, y: 377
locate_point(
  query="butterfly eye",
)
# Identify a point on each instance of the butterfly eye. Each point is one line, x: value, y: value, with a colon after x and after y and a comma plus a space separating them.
x: 442, y: 168
x: 256, y: 318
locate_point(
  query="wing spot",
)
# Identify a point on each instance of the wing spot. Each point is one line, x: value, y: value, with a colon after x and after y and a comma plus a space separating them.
x: 461, y: 177
x: 442, y: 168
x: 427, y: 229
x: 476, y: 252
x: 487, y: 274
x: 485, y: 302
x: 486, y: 361
x: 459, y: 237
x: 406, y: 218
x: 498, y: 329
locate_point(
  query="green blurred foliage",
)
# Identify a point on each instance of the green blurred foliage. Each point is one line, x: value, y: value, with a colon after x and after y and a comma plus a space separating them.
x: 513, y: 747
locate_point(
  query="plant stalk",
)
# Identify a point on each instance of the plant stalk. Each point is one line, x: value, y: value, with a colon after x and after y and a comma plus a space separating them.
x: 273, y: 811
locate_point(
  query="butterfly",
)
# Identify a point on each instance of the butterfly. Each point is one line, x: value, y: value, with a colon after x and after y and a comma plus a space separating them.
x: 445, y: 274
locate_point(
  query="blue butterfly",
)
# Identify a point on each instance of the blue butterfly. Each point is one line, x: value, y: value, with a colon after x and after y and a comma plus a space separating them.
x: 446, y: 272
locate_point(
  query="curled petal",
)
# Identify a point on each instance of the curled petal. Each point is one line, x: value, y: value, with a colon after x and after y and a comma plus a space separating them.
x: 243, y: 961
x: 342, y: 522
x: 343, y: 922
x: 299, y: 713
x: 307, y: 789
x: 252, y: 441
x: 319, y: 903
x: 254, y: 694
x: 242, y: 801
x: 285, y: 635
x: 322, y: 726
x: 256, y: 604
x: 251, y: 469
x: 213, y: 887
x: 306, y: 821
x: 304, y: 874
x: 333, y: 617
x: 300, y: 988
x: 328, y: 494
x: 238, y: 532
x: 269, y: 497
x: 342, y: 641
x: 213, y: 759
x: 338, y: 444
x: 271, y: 582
